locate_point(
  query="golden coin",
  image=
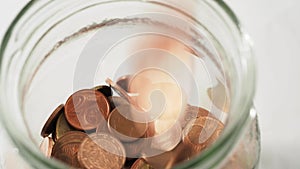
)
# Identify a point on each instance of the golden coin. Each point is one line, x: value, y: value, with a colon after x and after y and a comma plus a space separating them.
x: 66, y: 148
x: 101, y: 151
x: 50, y: 124
x: 86, y: 109
x: 62, y: 127
x: 141, y: 164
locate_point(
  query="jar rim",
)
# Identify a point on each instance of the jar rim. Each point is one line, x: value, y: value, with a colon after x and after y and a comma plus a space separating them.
x: 248, y: 86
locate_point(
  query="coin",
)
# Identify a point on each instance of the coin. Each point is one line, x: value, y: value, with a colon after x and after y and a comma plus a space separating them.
x: 101, y: 151
x: 121, y: 125
x: 46, y: 146
x: 50, y: 124
x: 62, y: 127
x: 116, y: 101
x: 141, y: 164
x: 191, y: 113
x: 106, y: 90
x: 85, y: 109
x: 202, y: 132
x: 66, y: 148
x: 123, y: 81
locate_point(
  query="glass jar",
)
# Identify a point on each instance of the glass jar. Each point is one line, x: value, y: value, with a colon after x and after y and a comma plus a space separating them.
x: 44, y: 48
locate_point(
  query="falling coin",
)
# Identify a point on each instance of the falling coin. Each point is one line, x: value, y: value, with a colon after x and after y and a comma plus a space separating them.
x: 62, y: 127
x: 141, y: 164
x: 66, y: 148
x: 85, y: 109
x: 46, y: 146
x: 101, y: 151
x: 123, y: 82
x: 202, y: 132
x: 50, y: 124
x: 106, y: 90
x: 121, y: 125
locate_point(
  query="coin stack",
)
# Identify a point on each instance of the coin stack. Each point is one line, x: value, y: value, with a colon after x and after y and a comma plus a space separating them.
x: 96, y: 129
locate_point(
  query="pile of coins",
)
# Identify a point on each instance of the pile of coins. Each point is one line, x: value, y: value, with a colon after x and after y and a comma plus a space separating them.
x: 96, y: 129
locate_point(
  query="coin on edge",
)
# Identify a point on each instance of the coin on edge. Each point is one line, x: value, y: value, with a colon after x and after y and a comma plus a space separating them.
x: 66, y: 148
x: 62, y: 127
x: 101, y: 151
x: 123, y: 82
x: 46, y: 146
x: 85, y: 109
x: 50, y: 124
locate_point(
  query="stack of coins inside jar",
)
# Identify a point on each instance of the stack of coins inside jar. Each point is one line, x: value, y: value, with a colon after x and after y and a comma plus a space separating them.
x: 140, y: 121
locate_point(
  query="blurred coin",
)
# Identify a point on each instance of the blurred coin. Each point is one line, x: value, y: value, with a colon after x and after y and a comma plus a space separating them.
x: 46, y: 146
x: 116, y: 101
x: 106, y: 90
x: 66, y: 148
x: 141, y: 164
x: 121, y: 125
x: 123, y: 82
x: 101, y: 151
x: 50, y: 124
x: 202, y: 132
x: 192, y: 113
x: 62, y: 127
x: 85, y: 109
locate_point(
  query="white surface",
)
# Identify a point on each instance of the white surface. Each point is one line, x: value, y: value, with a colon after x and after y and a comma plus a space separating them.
x: 274, y: 27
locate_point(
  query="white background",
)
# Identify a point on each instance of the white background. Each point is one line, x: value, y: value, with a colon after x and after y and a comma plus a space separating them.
x: 274, y: 26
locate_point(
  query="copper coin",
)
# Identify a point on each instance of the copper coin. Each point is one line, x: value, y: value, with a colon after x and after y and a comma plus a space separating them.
x: 192, y: 113
x: 85, y: 109
x: 50, y: 124
x: 123, y: 82
x: 121, y: 125
x: 66, y: 148
x: 46, y: 146
x: 106, y: 90
x: 202, y: 132
x: 116, y: 101
x: 141, y: 164
x: 62, y: 127
x: 101, y: 151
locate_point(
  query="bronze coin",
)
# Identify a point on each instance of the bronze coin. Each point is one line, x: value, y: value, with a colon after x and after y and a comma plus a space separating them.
x: 192, y: 113
x: 85, y: 109
x: 116, y: 101
x: 202, y: 132
x: 62, y: 127
x: 46, y: 146
x: 101, y: 151
x: 66, y: 148
x: 121, y: 125
x: 141, y: 164
x: 106, y: 90
x: 123, y: 82
x: 50, y: 124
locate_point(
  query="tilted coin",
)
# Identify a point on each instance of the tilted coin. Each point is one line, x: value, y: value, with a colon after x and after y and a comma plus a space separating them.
x: 106, y: 90
x: 116, y: 101
x: 123, y: 81
x: 50, y: 124
x: 62, y: 127
x: 101, y: 151
x: 66, y: 148
x: 141, y: 164
x: 46, y: 146
x: 193, y: 112
x: 122, y: 126
x: 85, y: 109
x: 202, y: 132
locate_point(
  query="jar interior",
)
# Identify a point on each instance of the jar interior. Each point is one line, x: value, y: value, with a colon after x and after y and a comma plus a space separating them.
x: 84, y: 44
